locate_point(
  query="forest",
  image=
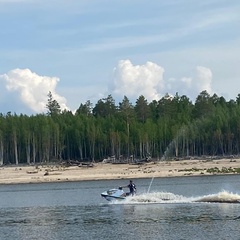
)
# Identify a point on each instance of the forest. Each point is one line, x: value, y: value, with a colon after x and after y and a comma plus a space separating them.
x: 172, y: 128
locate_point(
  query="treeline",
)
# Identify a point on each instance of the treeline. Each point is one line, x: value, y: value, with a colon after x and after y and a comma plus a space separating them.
x: 168, y: 128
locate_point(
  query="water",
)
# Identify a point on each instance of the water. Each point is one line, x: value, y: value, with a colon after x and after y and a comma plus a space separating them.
x: 75, y: 210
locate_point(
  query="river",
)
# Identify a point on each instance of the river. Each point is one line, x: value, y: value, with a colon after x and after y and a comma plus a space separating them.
x: 197, y: 208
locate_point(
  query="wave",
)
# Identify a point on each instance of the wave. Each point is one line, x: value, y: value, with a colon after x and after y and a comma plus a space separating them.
x: 167, y: 197
x: 221, y: 197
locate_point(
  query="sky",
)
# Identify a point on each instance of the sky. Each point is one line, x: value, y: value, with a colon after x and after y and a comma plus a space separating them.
x: 82, y: 50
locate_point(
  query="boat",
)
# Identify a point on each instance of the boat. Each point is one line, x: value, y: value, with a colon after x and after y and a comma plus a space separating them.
x: 114, y: 194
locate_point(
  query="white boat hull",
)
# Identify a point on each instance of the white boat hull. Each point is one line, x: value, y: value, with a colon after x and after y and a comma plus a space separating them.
x: 114, y: 194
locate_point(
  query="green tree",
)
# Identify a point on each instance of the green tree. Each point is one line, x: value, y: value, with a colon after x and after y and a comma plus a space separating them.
x: 85, y: 109
x: 142, y: 109
x: 203, y: 105
x: 105, y: 107
x: 52, y: 106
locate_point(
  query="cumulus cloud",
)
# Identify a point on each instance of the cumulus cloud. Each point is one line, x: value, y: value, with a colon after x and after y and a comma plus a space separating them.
x: 148, y: 80
x: 33, y: 89
x: 204, y: 79
x: 128, y: 79
x: 192, y: 86
x: 134, y: 81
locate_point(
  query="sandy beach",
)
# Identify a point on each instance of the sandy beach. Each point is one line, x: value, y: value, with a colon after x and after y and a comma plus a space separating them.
x: 100, y: 171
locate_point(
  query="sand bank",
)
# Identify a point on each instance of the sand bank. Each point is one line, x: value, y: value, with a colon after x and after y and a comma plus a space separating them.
x: 100, y: 171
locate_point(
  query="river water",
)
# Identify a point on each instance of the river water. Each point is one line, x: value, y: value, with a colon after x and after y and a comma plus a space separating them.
x: 196, y: 208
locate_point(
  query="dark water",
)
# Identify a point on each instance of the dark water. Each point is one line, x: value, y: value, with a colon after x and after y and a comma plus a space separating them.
x: 77, y: 211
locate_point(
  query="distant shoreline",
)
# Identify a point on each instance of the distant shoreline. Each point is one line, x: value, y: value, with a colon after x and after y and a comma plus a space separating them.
x: 20, y: 174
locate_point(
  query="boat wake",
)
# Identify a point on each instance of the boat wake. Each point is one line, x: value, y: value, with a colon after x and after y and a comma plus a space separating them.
x: 166, y: 197
x: 221, y: 197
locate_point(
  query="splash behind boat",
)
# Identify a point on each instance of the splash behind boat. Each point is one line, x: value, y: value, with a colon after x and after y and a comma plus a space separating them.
x: 114, y: 194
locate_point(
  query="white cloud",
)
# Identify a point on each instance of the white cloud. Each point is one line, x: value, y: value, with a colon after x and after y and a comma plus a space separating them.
x: 204, y: 79
x: 192, y: 86
x: 134, y: 81
x: 32, y: 88
x: 148, y: 80
x: 128, y: 79
x: 181, y: 28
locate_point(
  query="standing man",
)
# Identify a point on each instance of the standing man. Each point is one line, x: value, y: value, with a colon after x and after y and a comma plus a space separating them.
x: 132, y: 188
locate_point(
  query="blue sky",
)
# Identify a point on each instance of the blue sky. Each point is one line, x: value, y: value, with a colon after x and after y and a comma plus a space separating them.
x: 84, y: 50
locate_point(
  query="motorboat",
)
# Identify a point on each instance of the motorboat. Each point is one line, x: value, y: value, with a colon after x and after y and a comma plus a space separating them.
x: 114, y: 194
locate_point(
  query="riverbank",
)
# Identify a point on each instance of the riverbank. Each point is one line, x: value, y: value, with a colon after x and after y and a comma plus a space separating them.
x: 101, y: 171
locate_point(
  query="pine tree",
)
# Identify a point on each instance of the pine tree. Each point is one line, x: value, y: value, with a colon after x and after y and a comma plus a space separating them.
x: 52, y: 106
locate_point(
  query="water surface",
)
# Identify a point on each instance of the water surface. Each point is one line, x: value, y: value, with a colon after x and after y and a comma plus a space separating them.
x: 75, y: 210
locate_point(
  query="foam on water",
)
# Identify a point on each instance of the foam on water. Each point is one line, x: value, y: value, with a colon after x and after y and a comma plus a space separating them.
x: 167, y: 197
x: 221, y: 197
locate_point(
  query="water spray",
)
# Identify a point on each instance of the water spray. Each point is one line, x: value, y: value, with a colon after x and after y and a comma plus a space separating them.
x: 150, y: 185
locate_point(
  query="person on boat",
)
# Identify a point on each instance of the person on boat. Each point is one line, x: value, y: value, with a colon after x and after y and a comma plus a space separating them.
x: 132, y: 188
